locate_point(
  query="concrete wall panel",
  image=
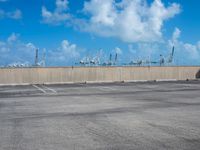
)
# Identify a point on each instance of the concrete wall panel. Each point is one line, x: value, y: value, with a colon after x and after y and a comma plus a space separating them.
x: 94, y: 74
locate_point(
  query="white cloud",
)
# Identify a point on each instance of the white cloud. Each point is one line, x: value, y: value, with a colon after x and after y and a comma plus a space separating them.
x: 198, y: 45
x: 64, y: 54
x: 145, y: 51
x: 17, y: 14
x: 176, y: 34
x: 103, y: 12
x: 69, y: 49
x: 191, y: 50
x: 3, y: 47
x: 131, y: 21
x: 14, y: 50
x: 118, y: 51
x: 31, y: 46
x: 13, y: 37
x: 185, y: 52
x: 61, y: 5
x: 58, y: 16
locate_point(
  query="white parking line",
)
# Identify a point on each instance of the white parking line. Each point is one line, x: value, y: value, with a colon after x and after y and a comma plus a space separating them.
x: 107, y: 88
x: 52, y: 90
x: 39, y: 88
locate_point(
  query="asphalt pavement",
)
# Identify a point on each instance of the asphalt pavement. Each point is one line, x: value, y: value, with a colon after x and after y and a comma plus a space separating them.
x: 114, y: 116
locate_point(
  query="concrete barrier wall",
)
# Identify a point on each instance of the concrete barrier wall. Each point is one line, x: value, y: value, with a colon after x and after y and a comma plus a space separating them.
x: 94, y: 74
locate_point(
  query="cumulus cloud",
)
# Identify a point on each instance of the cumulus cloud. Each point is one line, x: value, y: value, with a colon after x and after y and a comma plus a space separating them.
x: 3, y: 47
x: 14, y: 50
x: 191, y: 50
x: 118, y: 50
x: 30, y: 46
x: 198, y: 45
x: 64, y: 54
x: 146, y: 51
x: 102, y: 12
x: 58, y: 16
x: 129, y: 20
x: 176, y: 35
x: 13, y: 37
x: 69, y: 49
x: 17, y: 14
x: 185, y: 52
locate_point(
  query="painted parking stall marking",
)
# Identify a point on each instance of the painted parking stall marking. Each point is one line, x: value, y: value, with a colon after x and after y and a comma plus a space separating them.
x: 45, y: 89
x: 49, y: 89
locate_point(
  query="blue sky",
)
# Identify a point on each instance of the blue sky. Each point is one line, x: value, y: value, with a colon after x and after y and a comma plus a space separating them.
x: 69, y: 30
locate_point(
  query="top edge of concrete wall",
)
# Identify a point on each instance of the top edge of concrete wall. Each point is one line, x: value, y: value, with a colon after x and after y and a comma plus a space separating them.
x: 99, y: 67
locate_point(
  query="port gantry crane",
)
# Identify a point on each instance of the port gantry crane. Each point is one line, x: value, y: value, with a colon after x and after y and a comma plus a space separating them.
x: 162, y: 61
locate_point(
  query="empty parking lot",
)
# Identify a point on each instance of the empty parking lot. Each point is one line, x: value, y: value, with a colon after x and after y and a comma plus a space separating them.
x: 117, y: 116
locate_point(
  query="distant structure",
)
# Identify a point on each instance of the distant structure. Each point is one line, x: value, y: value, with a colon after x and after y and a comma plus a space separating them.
x: 110, y: 62
x: 116, y: 57
x: 84, y: 62
x: 137, y: 63
x: 171, y: 57
x: 90, y: 61
x: 162, y: 61
x: 96, y: 61
x: 42, y: 63
x: 169, y: 60
x: 36, y: 57
x: 18, y: 65
x: 44, y: 59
